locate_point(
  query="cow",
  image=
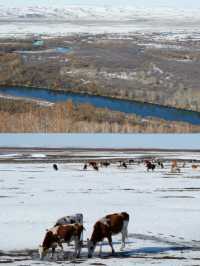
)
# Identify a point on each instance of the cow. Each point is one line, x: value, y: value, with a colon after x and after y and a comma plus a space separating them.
x: 55, y: 167
x: 70, y: 219
x: 160, y: 163
x: 105, y: 164
x: 122, y: 164
x: 60, y: 234
x: 174, y: 167
x: 195, y: 166
x: 94, y: 165
x: 106, y: 227
x: 150, y: 166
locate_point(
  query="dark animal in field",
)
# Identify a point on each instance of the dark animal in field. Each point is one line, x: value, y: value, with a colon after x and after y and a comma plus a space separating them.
x: 109, y: 225
x: 55, y: 167
x: 160, y: 163
x: 122, y: 164
x: 94, y: 165
x: 131, y: 161
x: 150, y: 166
x: 85, y: 166
x: 105, y: 164
x: 58, y: 235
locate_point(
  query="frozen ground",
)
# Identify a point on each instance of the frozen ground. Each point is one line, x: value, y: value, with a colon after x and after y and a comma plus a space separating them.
x: 79, y: 19
x: 163, y: 207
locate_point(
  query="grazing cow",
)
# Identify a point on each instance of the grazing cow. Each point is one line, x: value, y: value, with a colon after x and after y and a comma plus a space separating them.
x: 150, y: 166
x: 195, y: 166
x: 174, y: 167
x: 62, y: 234
x: 160, y: 163
x: 94, y: 165
x: 105, y: 164
x: 55, y: 167
x: 70, y: 219
x: 106, y: 227
x: 122, y: 164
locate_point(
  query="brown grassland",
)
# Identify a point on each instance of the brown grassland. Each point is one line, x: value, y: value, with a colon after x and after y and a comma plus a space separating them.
x: 23, y: 116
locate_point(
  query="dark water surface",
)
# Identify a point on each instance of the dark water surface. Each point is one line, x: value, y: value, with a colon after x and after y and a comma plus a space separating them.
x: 126, y: 106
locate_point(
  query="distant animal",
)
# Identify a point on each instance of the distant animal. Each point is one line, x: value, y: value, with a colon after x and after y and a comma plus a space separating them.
x: 55, y: 167
x: 122, y: 164
x: 85, y: 166
x: 174, y: 164
x: 174, y: 167
x: 150, y: 166
x: 160, y: 163
x: 58, y: 235
x: 195, y: 166
x: 131, y: 161
x: 106, y: 227
x: 94, y: 165
x: 70, y: 219
x: 106, y: 164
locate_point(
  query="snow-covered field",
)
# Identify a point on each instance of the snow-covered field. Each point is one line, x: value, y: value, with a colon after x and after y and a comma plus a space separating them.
x: 164, y: 211
x: 50, y: 21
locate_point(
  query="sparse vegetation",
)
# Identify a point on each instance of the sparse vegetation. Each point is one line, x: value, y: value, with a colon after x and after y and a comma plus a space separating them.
x: 19, y: 116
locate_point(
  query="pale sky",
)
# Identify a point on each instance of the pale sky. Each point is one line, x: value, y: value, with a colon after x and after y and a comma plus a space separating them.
x: 138, y: 3
x: 165, y: 141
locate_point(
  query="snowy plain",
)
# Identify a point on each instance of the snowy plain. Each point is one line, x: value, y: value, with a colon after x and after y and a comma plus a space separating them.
x: 49, y: 21
x: 163, y: 207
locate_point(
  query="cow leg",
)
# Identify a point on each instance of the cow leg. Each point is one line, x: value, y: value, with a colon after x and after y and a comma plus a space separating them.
x: 80, y: 242
x: 78, y: 247
x: 123, y: 240
x: 53, y: 252
x: 124, y: 234
x: 111, y: 245
x: 100, y: 249
x: 61, y: 246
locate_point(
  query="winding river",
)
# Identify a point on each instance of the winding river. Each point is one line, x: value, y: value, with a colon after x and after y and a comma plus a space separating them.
x: 126, y: 106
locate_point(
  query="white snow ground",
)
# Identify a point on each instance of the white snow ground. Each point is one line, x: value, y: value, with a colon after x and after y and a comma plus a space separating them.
x: 164, y: 210
x: 20, y: 22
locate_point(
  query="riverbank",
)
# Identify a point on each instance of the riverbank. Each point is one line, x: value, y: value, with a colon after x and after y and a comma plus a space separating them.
x: 143, y: 109
x: 27, y: 117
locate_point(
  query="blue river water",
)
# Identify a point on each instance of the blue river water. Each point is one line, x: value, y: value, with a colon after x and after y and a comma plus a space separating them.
x: 126, y: 106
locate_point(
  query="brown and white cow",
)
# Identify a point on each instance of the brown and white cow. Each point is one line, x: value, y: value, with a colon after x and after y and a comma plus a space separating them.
x: 106, y: 227
x: 62, y: 234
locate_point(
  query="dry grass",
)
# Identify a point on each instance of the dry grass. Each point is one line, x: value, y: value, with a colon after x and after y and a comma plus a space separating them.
x: 20, y: 116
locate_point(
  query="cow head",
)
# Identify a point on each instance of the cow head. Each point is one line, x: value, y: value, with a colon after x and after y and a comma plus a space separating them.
x: 42, y: 251
x: 91, y: 247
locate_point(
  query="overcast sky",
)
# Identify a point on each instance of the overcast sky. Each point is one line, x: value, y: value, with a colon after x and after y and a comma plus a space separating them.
x: 139, y: 3
x: 166, y: 141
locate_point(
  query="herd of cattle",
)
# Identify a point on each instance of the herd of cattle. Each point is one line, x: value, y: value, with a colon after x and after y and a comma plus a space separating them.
x: 149, y: 165
x: 71, y: 228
